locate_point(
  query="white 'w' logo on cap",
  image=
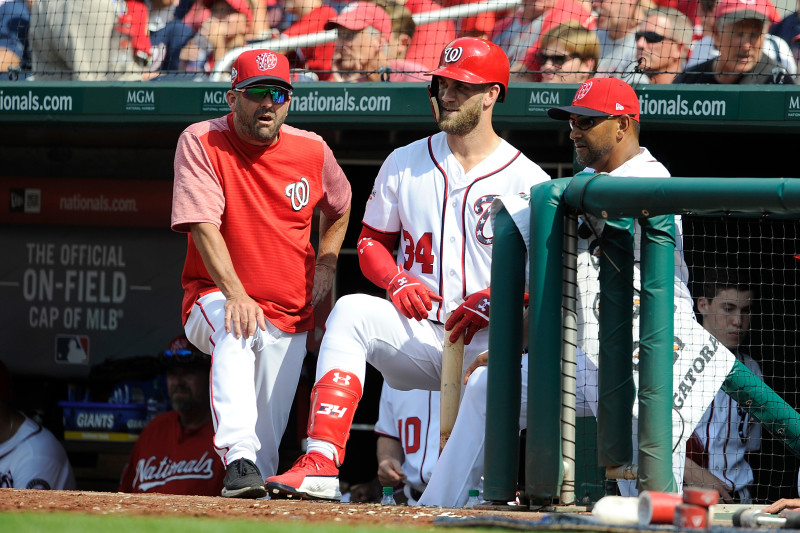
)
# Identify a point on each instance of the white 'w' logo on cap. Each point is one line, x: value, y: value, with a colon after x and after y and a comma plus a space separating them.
x: 266, y: 61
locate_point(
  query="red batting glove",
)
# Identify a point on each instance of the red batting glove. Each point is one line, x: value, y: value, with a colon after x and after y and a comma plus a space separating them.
x: 410, y: 296
x: 469, y: 317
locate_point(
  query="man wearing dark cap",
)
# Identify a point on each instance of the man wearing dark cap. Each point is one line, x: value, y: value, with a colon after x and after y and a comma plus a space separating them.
x: 246, y: 187
x: 739, y: 32
x: 604, y: 127
x: 175, y: 452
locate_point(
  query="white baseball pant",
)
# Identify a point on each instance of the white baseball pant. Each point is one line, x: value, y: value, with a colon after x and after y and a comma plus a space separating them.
x: 253, y: 383
x: 460, y: 466
x: 408, y: 352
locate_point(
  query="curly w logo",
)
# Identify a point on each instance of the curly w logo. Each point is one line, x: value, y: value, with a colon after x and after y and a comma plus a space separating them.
x: 298, y: 192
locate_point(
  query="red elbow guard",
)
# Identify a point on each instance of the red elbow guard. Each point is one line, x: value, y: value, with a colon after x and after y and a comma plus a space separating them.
x: 375, y: 256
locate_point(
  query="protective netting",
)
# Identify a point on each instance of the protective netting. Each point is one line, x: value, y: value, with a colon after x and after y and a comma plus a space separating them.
x: 560, y: 41
x: 743, y: 278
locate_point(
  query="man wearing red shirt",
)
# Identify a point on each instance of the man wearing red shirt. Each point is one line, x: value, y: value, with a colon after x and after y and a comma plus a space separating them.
x: 246, y: 188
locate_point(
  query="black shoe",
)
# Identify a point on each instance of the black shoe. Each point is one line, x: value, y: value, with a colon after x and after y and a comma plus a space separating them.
x: 243, y: 480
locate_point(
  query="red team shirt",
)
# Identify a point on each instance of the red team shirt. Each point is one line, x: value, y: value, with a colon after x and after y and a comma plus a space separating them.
x: 170, y: 460
x: 268, y: 193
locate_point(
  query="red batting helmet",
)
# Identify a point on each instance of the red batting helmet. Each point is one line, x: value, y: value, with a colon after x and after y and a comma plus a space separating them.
x: 473, y: 60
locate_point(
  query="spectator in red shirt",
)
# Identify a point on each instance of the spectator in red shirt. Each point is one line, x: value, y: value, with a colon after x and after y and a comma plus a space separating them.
x: 430, y: 38
x: 361, y: 53
x: 312, y: 15
x: 175, y: 452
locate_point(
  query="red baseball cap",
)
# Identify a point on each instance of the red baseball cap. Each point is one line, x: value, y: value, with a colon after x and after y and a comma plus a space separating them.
x: 731, y: 11
x: 242, y: 6
x: 260, y: 67
x: 358, y: 15
x: 597, y: 97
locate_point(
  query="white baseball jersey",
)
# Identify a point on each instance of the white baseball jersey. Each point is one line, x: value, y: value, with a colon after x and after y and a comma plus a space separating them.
x: 700, y: 362
x: 412, y: 417
x: 34, y: 459
x: 442, y: 213
x: 694, y: 386
x: 727, y: 432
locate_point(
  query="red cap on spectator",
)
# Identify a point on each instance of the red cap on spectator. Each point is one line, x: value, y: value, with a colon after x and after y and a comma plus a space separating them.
x: 358, y: 15
x: 597, y: 97
x: 731, y: 11
x: 242, y: 6
x: 260, y: 67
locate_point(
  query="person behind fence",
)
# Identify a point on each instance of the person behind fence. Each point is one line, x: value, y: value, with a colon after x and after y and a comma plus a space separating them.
x: 617, y: 21
x: 568, y: 53
x: 716, y: 454
x: 739, y: 32
x: 89, y: 40
x: 429, y: 203
x: 225, y: 26
x: 168, y: 36
x: 788, y: 29
x: 361, y: 53
x: 15, y: 52
x: 311, y: 17
x: 403, y: 28
x: 30, y: 455
x: 662, y: 44
x: 249, y: 300
x: 175, y: 452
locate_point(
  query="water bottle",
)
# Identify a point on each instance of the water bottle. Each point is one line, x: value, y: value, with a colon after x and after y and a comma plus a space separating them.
x: 388, y: 496
x: 472, y: 500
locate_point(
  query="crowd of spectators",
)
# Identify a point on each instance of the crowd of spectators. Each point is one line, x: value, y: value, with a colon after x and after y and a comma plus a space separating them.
x: 561, y: 41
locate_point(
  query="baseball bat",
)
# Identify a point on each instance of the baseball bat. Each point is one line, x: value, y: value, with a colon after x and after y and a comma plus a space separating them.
x: 755, y: 518
x: 452, y: 370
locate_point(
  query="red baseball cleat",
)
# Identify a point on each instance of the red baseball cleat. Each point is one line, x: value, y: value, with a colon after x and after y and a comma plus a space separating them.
x: 312, y: 476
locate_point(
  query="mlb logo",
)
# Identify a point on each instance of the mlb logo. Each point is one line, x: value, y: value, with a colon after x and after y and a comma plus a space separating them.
x: 72, y: 349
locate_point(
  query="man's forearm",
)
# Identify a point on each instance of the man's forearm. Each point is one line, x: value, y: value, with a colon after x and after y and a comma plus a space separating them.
x: 331, y: 237
x: 217, y: 258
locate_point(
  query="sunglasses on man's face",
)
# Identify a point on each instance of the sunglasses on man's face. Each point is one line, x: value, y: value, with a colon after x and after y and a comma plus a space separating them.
x: 584, y: 123
x: 557, y: 60
x: 257, y: 94
x: 650, y: 36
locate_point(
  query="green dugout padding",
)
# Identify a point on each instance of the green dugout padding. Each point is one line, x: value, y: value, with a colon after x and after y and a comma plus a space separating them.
x: 775, y: 415
x: 503, y: 374
x: 611, y: 199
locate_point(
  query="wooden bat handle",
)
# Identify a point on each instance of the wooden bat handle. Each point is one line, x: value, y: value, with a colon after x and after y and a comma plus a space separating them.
x: 452, y: 370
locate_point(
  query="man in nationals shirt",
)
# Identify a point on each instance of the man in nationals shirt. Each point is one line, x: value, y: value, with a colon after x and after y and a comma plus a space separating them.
x: 246, y: 187
x: 175, y: 452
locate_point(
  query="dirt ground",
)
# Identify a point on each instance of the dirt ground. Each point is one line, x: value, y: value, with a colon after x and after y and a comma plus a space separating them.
x: 218, y: 507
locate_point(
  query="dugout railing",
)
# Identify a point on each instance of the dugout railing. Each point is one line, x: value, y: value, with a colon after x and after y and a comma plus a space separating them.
x: 549, y: 460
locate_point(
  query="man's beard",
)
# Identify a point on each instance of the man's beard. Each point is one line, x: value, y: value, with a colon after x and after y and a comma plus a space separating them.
x: 595, y: 153
x: 462, y: 122
x: 183, y: 402
x: 253, y: 128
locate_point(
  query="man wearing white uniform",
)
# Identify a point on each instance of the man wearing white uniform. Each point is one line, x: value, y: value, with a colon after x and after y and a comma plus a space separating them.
x: 408, y: 439
x: 604, y: 126
x: 433, y: 197
x: 716, y: 454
